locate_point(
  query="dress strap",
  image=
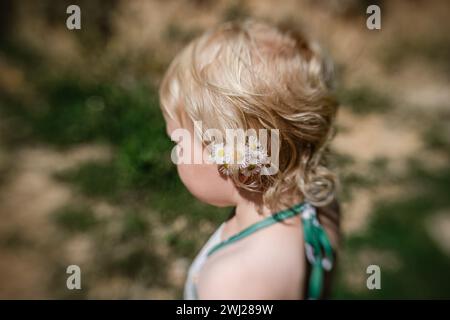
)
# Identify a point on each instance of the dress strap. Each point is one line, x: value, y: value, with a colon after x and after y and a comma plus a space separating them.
x: 319, y: 251
x: 280, y: 216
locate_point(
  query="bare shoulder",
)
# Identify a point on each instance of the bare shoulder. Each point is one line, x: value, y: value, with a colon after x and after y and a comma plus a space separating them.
x: 269, y: 264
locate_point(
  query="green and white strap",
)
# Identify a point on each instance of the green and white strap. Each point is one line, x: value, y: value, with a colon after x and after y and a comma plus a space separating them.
x: 277, y: 217
x: 318, y: 249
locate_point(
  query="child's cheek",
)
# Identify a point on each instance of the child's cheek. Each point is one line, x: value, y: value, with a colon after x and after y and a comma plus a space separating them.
x: 206, y: 184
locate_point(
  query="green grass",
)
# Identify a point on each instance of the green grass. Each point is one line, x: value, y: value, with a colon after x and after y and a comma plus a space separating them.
x: 364, y: 100
x: 177, y: 33
x: 134, y: 225
x: 433, y: 49
x: 93, y: 179
x: 435, y: 136
x: 75, y: 219
x: 235, y: 11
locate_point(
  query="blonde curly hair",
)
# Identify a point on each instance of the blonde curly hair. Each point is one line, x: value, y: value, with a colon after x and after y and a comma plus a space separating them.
x: 250, y: 75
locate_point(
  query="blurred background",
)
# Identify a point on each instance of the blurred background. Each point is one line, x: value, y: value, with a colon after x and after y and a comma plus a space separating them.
x: 85, y: 172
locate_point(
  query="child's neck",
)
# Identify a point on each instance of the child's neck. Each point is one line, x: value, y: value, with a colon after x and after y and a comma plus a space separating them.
x: 248, y: 211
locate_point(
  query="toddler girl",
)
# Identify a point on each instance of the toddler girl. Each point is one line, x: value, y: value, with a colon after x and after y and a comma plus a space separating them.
x: 274, y: 86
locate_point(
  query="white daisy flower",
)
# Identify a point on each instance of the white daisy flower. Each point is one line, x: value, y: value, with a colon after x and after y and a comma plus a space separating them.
x: 221, y: 155
x: 218, y: 154
x: 255, y: 153
x: 241, y: 158
x: 250, y: 159
x: 253, y: 144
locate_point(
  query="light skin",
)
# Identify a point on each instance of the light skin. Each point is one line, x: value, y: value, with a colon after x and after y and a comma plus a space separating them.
x: 269, y: 264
